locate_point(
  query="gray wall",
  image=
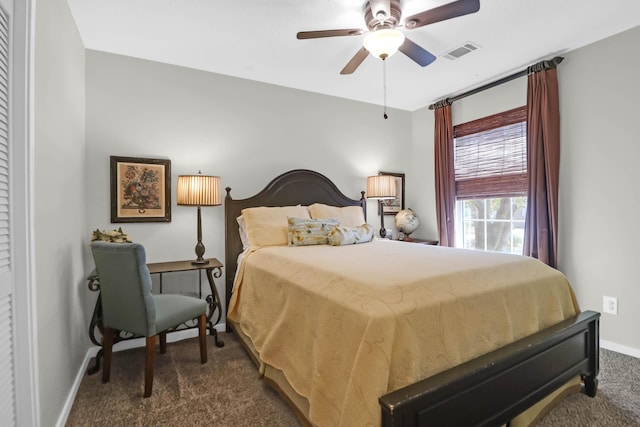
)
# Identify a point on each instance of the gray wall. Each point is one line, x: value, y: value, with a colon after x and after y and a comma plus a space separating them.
x: 599, y: 203
x: 60, y: 200
x: 598, y: 232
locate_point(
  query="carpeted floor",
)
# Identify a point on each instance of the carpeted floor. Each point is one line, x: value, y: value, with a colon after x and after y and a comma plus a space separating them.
x: 227, y: 392
x: 617, y: 403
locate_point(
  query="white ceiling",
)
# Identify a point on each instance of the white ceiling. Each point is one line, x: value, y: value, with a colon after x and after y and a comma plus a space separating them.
x: 256, y: 40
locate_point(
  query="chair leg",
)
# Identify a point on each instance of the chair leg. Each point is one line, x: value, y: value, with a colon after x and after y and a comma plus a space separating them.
x: 150, y: 363
x: 202, y: 335
x: 107, y: 350
x: 163, y: 343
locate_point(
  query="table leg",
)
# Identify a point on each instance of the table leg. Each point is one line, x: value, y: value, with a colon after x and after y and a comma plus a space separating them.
x: 96, y: 325
x: 214, y: 304
x: 96, y: 365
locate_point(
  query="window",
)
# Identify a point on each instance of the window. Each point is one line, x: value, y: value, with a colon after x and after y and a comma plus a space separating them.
x: 490, y: 163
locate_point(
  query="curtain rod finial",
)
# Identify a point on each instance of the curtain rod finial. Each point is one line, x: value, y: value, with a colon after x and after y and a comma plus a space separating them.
x: 442, y: 103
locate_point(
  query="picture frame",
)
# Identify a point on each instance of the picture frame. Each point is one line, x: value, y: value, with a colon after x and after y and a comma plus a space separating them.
x: 140, y: 189
x: 393, y: 206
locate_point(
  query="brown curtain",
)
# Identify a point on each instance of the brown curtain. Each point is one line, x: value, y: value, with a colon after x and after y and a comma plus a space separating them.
x: 543, y: 163
x: 445, y: 181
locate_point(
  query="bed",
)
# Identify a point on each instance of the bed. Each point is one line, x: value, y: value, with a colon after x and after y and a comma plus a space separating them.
x: 372, y: 347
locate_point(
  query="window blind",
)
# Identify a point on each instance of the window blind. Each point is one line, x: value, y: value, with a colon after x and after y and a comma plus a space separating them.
x: 490, y: 156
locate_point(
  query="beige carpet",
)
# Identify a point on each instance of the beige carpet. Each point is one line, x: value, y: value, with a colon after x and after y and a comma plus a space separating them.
x: 227, y: 392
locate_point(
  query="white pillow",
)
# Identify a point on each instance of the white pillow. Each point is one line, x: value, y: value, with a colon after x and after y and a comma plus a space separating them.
x: 348, y: 216
x: 268, y: 226
x: 242, y: 229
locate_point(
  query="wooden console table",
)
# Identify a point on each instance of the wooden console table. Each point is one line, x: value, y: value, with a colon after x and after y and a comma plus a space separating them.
x: 213, y: 271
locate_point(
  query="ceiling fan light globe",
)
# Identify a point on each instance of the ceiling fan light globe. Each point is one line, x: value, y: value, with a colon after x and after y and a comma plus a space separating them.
x: 383, y: 43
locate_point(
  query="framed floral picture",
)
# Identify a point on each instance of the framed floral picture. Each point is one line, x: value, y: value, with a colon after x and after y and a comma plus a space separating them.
x: 140, y: 189
x: 393, y: 206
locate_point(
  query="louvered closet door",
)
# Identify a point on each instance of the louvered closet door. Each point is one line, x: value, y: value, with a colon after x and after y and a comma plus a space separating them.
x: 7, y: 361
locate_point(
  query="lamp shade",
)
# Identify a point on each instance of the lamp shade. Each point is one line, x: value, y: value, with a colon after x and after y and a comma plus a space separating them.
x: 384, y: 42
x: 199, y: 190
x: 381, y: 187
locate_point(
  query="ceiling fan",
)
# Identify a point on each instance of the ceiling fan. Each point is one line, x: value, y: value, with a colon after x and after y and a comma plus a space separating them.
x: 383, y: 39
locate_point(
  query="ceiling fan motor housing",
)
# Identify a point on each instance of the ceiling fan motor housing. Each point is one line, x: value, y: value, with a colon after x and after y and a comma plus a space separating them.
x: 390, y: 21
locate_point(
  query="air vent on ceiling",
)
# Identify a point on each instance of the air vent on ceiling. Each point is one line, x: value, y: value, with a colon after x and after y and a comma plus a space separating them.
x: 461, y: 51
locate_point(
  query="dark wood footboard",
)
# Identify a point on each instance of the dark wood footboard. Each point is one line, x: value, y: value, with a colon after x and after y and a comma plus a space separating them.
x: 496, y: 387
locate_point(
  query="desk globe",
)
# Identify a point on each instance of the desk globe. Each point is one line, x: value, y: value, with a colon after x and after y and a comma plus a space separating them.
x: 407, y: 222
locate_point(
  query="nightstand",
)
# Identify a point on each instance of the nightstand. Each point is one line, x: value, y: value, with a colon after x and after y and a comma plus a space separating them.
x: 421, y: 241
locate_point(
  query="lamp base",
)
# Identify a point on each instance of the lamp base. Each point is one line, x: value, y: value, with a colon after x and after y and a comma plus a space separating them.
x: 383, y: 230
x: 199, y: 246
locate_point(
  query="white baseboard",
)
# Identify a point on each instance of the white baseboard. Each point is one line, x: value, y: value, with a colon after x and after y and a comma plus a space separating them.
x: 66, y: 409
x: 123, y: 345
x: 618, y: 348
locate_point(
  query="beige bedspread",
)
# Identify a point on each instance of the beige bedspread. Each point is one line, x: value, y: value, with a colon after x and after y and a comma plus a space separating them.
x: 349, y: 324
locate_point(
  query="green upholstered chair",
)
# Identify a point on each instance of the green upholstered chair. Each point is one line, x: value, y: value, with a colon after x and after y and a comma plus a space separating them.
x: 128, y: 305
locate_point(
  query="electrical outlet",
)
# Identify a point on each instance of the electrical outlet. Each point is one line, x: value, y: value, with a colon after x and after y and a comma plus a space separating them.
x: 610, y: 305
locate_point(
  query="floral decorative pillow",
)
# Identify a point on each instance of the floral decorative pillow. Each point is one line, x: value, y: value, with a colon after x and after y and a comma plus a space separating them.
x: 342, y: 235
x: 305, y: 232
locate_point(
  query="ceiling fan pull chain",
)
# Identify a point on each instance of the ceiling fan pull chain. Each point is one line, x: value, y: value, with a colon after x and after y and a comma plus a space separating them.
x: 384, y: 86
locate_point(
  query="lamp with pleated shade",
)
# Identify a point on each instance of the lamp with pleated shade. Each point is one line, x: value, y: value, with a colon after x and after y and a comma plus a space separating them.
x: 381, y: 187
x: 199, y: 190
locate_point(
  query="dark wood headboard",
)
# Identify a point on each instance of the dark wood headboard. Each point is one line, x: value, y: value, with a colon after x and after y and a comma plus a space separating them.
x: 296, y: 187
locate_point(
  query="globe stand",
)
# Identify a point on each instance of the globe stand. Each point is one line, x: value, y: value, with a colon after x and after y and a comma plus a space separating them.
x: 404, y: 237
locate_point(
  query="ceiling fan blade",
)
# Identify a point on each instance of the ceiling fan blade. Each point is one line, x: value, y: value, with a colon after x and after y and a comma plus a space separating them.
x: 355, y: 61
x: 421, y: 56
x: 380, y: 6
x: 442, y: 13
x: 329, y: 33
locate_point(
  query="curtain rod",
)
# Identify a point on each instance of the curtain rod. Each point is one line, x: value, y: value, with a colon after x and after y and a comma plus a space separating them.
x: 542, y: 65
